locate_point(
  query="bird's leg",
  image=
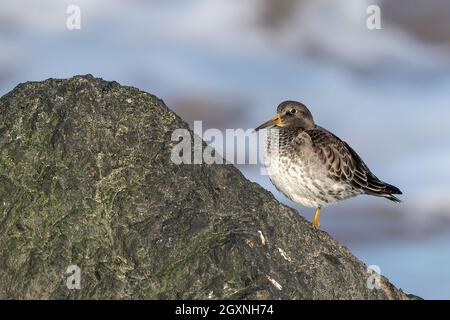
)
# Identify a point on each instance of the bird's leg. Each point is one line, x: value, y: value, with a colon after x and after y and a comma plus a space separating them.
x: 315, y: 222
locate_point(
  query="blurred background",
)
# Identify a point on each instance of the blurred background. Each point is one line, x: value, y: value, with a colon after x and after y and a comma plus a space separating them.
x: 230, y: 62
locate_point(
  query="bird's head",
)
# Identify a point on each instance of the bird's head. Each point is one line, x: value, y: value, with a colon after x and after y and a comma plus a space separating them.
x: 291, y: 114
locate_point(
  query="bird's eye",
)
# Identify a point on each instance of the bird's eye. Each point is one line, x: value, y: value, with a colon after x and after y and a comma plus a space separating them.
x: 293, y: 111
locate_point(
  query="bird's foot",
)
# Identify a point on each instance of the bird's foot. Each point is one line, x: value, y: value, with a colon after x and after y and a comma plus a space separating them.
x: 316, y: 223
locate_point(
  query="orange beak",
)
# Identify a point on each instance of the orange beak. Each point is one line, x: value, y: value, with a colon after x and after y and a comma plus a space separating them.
x: 275, y: 121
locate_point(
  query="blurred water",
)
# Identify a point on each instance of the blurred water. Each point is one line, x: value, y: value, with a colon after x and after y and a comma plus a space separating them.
x: 424, y: 267
x: 382, y: 91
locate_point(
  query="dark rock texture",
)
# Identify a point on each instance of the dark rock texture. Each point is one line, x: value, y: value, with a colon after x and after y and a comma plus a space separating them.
x: 86, y: 179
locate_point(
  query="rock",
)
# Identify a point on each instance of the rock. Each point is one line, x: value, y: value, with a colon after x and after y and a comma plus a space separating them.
x: 86, y: 179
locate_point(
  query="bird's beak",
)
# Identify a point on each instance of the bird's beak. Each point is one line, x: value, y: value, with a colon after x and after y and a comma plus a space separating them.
x: 275, y: 121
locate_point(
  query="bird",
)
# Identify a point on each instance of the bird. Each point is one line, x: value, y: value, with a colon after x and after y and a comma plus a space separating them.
x: 312, y: 166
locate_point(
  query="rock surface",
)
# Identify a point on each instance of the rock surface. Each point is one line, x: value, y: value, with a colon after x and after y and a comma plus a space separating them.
x: 86, y: 179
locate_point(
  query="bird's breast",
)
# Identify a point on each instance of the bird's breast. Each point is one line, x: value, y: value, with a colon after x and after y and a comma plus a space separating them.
x: 298, y: 173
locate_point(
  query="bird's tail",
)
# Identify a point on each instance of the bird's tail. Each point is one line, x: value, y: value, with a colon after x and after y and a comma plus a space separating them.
x: 389, y: 191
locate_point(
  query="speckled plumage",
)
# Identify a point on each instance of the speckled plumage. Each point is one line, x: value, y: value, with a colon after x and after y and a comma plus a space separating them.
x: 313, y: 167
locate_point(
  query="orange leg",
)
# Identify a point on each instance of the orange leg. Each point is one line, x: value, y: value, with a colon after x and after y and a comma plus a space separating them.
x: 316, y: 222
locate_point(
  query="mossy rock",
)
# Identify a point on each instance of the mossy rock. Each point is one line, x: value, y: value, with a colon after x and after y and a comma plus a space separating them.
x: 86, y: 179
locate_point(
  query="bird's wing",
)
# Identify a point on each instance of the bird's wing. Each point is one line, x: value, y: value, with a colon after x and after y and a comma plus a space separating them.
x: 343, y: 163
